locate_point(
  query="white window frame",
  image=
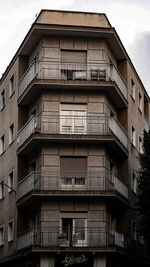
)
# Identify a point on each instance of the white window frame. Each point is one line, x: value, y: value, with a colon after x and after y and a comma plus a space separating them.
x: 133, y: 135
x: 3, y: 99
x: 10, y: 235
x: 133, y: 89
x: 1, y: 189
x: 81, y: 243
x: 11, y: 183
x: 140, y: 147
x: 12, y: 85
x: 68, y: 118
x: 2, y: 229
x: 2, y: 144
x: 11, y: 133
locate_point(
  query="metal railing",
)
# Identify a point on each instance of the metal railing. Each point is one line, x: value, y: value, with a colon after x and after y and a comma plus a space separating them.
x: 64, y: 237
x: 72, y: 71
x: 27, y: 130
x: 76, y: 125
x: 71, y: 181
x: 27, y: 78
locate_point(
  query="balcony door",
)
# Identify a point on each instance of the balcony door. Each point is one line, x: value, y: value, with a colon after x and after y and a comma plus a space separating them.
x: 74, y: 232
x: 73, y: 119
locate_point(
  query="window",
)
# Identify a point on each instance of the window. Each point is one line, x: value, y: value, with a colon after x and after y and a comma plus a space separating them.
x: 73, y: 232
x: 133, y: 140
x: 73, y: 172
x: 133, y: 182
x: 140, y: 145
x: 2, y: 144
x: 140, y: 102
x: 12, y: 85
x: 3, y: 99
x: 11, y: 181
x: 10, y: 231
x: 132, y: 89
x: 73, y: 65
x: 134, y: 230
x: 1, y: 189
x: 73, y: 119
x: 1, y: 235
x: 11, y: 133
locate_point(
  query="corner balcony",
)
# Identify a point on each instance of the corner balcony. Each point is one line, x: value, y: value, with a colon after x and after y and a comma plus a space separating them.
x: 73, y: 128
x: 70, y: 184
x: 72, y: 239
x: 90, y: 76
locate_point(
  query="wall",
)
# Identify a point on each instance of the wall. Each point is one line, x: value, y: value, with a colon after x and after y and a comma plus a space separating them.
x: 73, y: 18
x: 8, y: 160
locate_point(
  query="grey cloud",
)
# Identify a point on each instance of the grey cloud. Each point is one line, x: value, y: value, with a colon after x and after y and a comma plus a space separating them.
x: 140, y: 54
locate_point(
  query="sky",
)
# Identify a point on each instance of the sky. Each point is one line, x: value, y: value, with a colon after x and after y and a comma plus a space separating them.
x: 131, y: 19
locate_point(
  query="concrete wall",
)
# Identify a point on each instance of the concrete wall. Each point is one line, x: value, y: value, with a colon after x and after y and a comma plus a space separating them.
x: 8, y: 160
x: 73, y: 18
x: 93, y: 211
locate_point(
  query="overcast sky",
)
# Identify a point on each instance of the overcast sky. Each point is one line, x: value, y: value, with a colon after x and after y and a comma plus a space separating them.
x: 131, y: 19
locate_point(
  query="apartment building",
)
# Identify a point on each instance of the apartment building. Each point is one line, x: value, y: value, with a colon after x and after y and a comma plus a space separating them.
x: 72, y: 113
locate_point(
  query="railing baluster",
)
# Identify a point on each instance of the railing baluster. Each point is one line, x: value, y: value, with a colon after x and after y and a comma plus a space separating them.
x: 70, y: 71
x: 78, y: 125
x: 68, y: 237
x: 71, y: 181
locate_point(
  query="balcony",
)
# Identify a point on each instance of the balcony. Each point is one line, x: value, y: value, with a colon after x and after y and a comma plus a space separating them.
x: 71, y: 183
x: 67, y: 128
x: 84, y: 238
x: 73, y: 75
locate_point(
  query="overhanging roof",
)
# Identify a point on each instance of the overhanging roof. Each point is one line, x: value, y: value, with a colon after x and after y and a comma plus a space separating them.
x: 38, y: 30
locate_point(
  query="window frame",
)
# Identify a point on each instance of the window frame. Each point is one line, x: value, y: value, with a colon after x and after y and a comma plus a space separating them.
x: 134, y: 229
x: 3, y: 99
x: 132, y: 91
x: 10, y: 188
x: 133, y: 135
x: 133, y: 182
x: 3, y: 232
x: 10, y: 239
x: 2, y: 189
x: 11, y: 133
x: 70, y: 121
x: 140, y: 145
x: 140, y: 104
x: 78, y: 242
x: 12, y: 85
x: 2, y: 144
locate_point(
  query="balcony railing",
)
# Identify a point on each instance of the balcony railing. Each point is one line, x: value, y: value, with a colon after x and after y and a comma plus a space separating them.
x: 74, y: 125
x: 72, y: 71
x: 70, y: 238
x: 71, y: 181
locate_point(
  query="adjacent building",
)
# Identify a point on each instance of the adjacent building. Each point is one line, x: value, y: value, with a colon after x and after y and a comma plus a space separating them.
x: 72, y: 113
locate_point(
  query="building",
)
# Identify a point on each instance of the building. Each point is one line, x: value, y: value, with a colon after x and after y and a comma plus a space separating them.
x: 73, y: 111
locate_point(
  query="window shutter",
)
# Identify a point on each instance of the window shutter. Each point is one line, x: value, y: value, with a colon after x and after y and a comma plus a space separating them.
x: 73, y: 164
x: 73, y: 56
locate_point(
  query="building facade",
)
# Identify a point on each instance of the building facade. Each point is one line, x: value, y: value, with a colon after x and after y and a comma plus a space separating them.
x: 73, y: 112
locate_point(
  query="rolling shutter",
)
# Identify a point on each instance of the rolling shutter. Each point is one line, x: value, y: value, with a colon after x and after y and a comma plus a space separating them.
x: 73, y: 56
x: 73, y: 164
